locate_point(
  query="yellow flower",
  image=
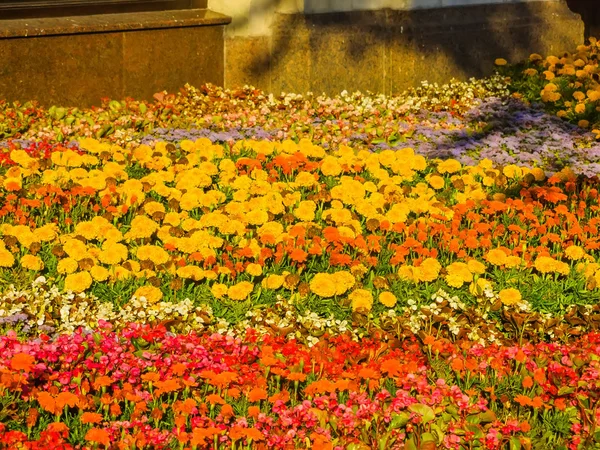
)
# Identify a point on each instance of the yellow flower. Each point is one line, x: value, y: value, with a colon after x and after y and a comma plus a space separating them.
x: 429, y: 270
x: 240, y: 291
x: 330, y: 166
x: 512, y: 171
x: 343, y: 281
x: 535, y: 57
x: 112, y: 253
x: 323, y: 285
x: 449, y: 166
x: 574, y: 252
x: 78, y: 282
x: 75, y: 249
x: 153, y: 253
x: 496, y: 257
x: 6, y: 257
x: 580, y: 108
x: 66, y: 265
x: 99, y: 273
x: 191, y: 272
x: 142, y: 227
x: 500, y: 62
x: 509, y: 296
x: 219, y: 290
x: 254, y: 269
x: 32, y: 262
x: 454, y: 280
x: 151, y: 293
x: 306, y: 211
x: 513, y: 262
x: 579, y: 96
x: 461, y: 270
x: 436, y: 182
x: 549, y: 75
x: 273, y: 282
x: 361, y: 300
x: 530, y: 72
x: 545, y: 264
x: 583, y: 124
x: 388, y: 299
x: 476, y: 266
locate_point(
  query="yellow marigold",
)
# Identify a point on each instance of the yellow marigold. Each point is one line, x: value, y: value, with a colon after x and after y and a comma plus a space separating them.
x: 580, y: 108
x: 428, y: 271
x: 191, y: 272
x: 562, y: 268
x: 32, y: 262
x: 343, y: 281
x: 512, y: 262
x: 151, y: 293
x: 454, y: 280
x: 545, y: 264
x: 496, y: 256
x: 254, y: 269
x: 153, y: 253
x: 219, y: 290
x: 530, y: 72
x: 436, y: 182
x: 461, y: 270
x: 512, y: 171
x: 549, y: 75
x: 240, y: 291
x: 449, y: 166
x: 142, y: 227
x: 535, y: 57
x: 361, y: 299
x: 509, y: 296
x: 579, y: 96
x: 113, y: 253
x: 46, y: 233
x: 66, y: 265
x: 323, y: 285
x: 99, y: 273
x: 78, y: 282
x: 273, y: 282
x: 476, y: 266
x: 409, y: 273
x: 6, y: 257
x: 153, y: 207
x: 574, y: 252
x: 330, y: 166
x: 583, y: 123
x: 75, y: 249
x: 306, y: 211
x: 500, y: 62
x: 388, y: 299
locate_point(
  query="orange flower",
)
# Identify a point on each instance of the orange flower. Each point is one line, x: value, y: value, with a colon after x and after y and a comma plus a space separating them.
x: 296, y: 376
x: 527, y: 382
x: 66, y: 399
x: 98, y: 435
x: 523, y: 400
x: 89, y: 417
x: 102, y: 381
x: 457, y: 364
x: 22, y: 361
x: 167, y: 386
x: 257, y: 394
x: 47, y: 402
x: 253, y: 411
x: 215, y: 399
x: 227, y: 410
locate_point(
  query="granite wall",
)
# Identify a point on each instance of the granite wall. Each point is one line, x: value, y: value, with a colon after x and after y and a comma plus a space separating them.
x: 282, y: 45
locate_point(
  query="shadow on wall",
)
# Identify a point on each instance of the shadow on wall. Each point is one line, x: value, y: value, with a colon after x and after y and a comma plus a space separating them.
x: 590, y: 14
x: 390, y: 50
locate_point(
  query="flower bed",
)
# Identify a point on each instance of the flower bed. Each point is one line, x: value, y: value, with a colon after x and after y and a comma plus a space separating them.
x: 227, y: 269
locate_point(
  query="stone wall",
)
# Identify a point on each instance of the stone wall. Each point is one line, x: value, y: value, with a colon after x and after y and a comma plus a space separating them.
x: 384, y: 45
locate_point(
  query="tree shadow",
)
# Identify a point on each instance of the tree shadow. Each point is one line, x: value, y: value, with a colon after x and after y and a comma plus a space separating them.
x: 388, y: 50
x: 590, y: 14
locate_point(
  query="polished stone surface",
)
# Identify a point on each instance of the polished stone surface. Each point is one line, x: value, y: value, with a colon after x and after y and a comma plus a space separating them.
x: 80, y: 69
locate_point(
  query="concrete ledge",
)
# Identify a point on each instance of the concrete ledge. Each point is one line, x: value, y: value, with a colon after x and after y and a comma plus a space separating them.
x: 79, y: 60
x: 98, y: 23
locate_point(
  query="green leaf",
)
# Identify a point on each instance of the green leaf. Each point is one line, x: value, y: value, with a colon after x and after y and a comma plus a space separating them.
x: 515, y: 444
x: 399, y: 420
x: 423, y: 410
